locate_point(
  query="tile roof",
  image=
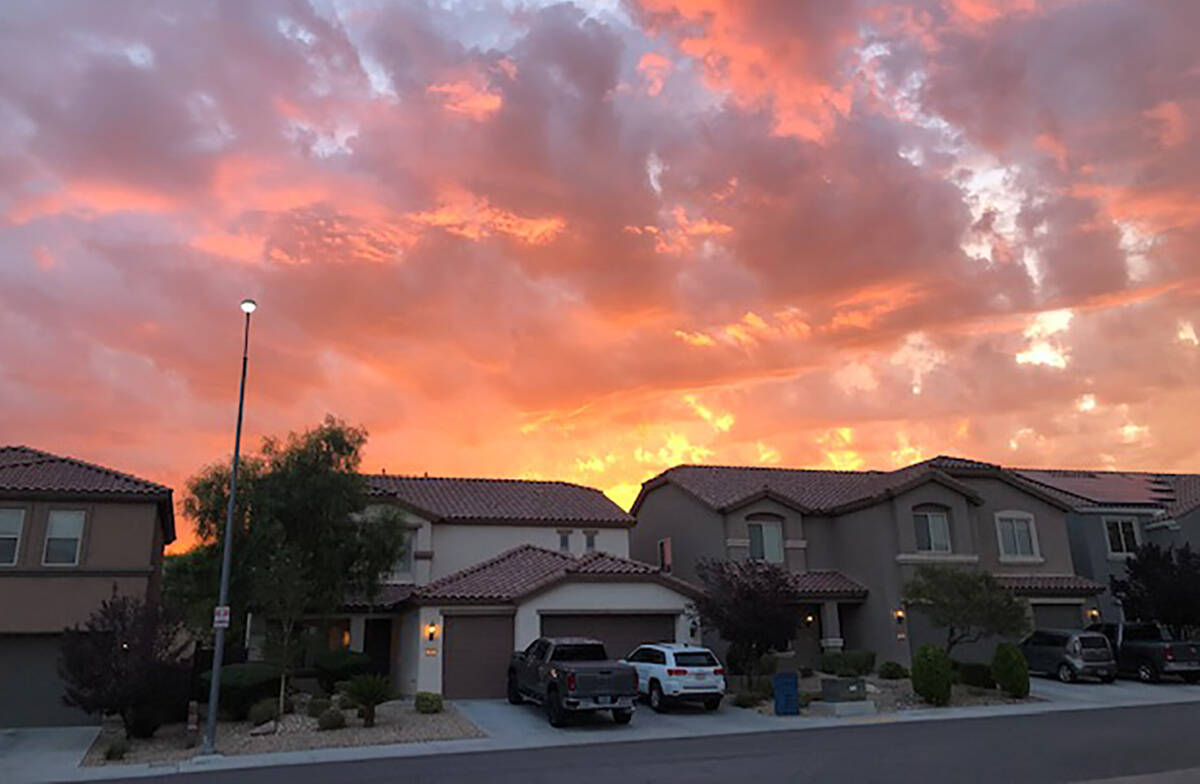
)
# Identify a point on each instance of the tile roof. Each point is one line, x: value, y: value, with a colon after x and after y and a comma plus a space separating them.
x: 24, y: 469
x: 467, y: 499
x: 527, y: 569
x: 826, y: 583
x: 389, y: 597
x: 1177, y: 494
x: 1049, y: 585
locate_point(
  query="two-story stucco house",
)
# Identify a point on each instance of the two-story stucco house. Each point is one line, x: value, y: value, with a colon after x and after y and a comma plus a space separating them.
x: 71, y: 533
x: 851, y: 539
x: 1115, y: 512
x: 494, y: 563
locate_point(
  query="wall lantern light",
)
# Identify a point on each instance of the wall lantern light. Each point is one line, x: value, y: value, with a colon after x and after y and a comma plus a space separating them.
x: 898, y: 614
x: 1093, y: 614
x: 810, y: 619
x: 346, y: 638
x: 431, y: 632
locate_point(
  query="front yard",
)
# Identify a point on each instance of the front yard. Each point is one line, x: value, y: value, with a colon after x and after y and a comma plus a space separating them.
x: 891, y: 696
x: 395, y: 722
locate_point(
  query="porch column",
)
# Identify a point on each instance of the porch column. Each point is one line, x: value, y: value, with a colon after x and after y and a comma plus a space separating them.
x: 831, y: 627
x: 358, y: 631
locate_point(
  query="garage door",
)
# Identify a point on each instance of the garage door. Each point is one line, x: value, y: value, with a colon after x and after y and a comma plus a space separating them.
x: 1057, y: 616
x: 30, y: 689
x: 477, y: 651
x: 619, y: 633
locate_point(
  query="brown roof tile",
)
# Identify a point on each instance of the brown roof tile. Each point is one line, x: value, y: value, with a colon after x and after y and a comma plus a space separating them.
x: 1050, y: 585
x: 826, y: 584
x: 467, y: 499
x: 24, y: 469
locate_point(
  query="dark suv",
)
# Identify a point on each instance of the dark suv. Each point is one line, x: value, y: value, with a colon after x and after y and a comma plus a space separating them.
x: 1069, y: 654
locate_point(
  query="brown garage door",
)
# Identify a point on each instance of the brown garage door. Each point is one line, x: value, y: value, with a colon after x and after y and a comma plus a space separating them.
x: 619, y: 633
x: 476, y: 656
x: 1057, y: 616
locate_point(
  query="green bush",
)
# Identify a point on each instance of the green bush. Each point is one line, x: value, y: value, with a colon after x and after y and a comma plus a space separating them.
x: 116, y: 750
x: 747, y: 699
x: 974, y: 674
x: 266, y: 709
x: 892, y: 671
x: 332, y: 719
x: 428, y: 702
x: 367, y: 691
x: 1010, y: 670
x: 318, y: 705
x: 848, y: 664
x: 142, y: 721
x: 932, y: 675
x: 242, y: 685
x: 340, y: 665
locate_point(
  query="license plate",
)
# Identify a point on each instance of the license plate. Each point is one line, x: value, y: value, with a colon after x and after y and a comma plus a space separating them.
x: 701, y: 676
x: 603, y: 700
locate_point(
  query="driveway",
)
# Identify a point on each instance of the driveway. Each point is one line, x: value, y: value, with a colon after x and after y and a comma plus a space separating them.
x: 1093, y: 694
x: 42, y: 753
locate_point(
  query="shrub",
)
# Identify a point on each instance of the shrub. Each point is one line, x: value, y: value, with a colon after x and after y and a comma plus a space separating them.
x: 332, y: 719
x: 340, y: 665
x: 318, y: 705
x: 428, y: 702
x: 242, y: 685
x: 932, y: 674
x: 266, y: 709
x: 892, y: 671
x: 116, y: 750
x: 831, y: 661
x: 747, y: 699
x: 974, y: 674
x: 1010, y: 670
x: 806, y: 672
x: 143, y: 720
x: 367, y: 691
x: 848, y: 664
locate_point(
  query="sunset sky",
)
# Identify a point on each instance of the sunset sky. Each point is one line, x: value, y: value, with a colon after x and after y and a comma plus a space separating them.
x: 590, y: 241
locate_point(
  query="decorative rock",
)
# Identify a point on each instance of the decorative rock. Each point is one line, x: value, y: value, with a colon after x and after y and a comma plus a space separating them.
x: 872, y: 688
x: 264, y: 729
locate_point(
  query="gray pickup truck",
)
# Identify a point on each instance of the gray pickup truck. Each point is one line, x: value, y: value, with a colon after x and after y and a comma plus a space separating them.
x: 572, y: 675
x: 1148, y: 651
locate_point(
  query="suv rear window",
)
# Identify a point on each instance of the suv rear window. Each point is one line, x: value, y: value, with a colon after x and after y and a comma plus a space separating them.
x: 696, y: 659
x: 1092, y: 641
x: 589, y: 652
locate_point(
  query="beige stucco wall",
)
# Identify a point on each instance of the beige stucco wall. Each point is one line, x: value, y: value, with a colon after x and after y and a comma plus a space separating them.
x: 457, y: 546
x: 583, y: 597
x: 40, y: 604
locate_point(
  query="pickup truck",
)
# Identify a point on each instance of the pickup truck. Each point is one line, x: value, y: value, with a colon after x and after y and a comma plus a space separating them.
x: 1148, y: 651
x: 569, y: 675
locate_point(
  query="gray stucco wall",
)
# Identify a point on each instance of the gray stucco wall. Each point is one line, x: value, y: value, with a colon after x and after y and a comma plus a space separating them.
x: 1049, y: 520
x: 1089, y: 551
x: 695, y: 531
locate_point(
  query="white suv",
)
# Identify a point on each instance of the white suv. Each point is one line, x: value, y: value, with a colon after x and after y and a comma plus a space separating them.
x: 674, y: 671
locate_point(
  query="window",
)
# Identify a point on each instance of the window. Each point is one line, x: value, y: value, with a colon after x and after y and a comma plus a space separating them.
x: 564, y: 541
x: 696, y: 659
x: 12, y: 523
x: 589, y: 541
x: 664, y: 554
x: 64, y: 532
x: 933, y: 531
x: 1122, y: 536
x: 766, y: 538
x: 1017, y: 535
x: 402, y: 570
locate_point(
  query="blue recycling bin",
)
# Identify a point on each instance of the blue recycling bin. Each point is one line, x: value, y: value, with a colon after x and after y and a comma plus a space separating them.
x: 787, y: 694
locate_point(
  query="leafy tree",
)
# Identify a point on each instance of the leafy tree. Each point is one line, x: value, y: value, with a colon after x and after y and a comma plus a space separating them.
x: 750, y: 604
x: 1161, y: 585
x: 189, y: 587
x: 126, y: 659
x: 305, y: 537
x: 969, y: 605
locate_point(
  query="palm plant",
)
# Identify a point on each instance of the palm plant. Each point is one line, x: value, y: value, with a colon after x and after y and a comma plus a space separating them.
x: 367, y: 691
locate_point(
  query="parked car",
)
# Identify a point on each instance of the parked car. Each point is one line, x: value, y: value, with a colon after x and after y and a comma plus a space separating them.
x: 572, y: 675
x: 1148, y: 651
x: 1070, y: 654
x: 669, y: 672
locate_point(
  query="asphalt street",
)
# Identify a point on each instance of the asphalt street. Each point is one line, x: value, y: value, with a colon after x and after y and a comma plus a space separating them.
x: 1057, y: 747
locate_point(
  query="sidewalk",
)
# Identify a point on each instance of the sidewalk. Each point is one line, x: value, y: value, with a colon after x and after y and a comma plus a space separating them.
x: 45, y: 758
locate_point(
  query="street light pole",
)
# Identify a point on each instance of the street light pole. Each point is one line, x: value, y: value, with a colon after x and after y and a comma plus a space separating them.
x: 214, y: 691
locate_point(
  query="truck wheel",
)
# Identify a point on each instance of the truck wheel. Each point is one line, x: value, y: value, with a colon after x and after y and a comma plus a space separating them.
x: 514, y: 694
x: 1147, y: 672
x: 554, y: 709
x: 1191, y: 677
x: 1065, y: 673
x: 657, y: 701
x: 622, y: 715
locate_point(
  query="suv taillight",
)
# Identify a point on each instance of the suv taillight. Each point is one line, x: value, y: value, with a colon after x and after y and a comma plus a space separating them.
x: 1169, y: 653
x: 676, y: 671
x: 571, y: 681
x: 719, y: 671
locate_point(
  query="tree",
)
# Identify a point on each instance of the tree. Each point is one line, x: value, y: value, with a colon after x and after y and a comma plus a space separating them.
x: 970, y: 605
x: 1161, y: 585
x: 305, y: 536
x: 750, y: 604
x: 126, y: 659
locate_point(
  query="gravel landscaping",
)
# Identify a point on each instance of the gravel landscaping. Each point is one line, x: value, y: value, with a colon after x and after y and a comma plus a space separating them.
x: 891, y: 696
x: 395, y: 722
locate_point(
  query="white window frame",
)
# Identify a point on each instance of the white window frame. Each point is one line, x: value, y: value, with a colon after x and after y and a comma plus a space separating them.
x: 1118, y: 519
x: 1016, y: 514
x: 20, y: 534
x: 589, y: 541
x: 775, y: 525
x: 665, y: 556
x: 945, y: 515
x: 78, y: 541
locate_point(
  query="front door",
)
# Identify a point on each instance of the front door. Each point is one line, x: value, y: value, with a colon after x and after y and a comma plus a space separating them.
x: 377, y: 644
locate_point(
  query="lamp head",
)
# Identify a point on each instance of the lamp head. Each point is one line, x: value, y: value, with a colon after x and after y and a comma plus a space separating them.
x: 249, y: 306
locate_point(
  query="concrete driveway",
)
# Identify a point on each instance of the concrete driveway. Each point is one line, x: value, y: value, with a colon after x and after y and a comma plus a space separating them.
x: 42, y: 753
x: 1119, y: 693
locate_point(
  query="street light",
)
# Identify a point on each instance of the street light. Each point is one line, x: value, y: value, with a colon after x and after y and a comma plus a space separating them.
x: 221, y: 612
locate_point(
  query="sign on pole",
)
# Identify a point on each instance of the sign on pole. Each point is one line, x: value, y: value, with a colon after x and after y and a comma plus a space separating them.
x: 221, y: 616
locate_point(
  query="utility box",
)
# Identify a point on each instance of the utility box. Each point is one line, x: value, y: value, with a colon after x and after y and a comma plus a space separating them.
x: 843, y: 689
x: 787, y: 694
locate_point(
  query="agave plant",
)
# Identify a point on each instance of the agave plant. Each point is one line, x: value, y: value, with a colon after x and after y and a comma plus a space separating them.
x: 367, y: 691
